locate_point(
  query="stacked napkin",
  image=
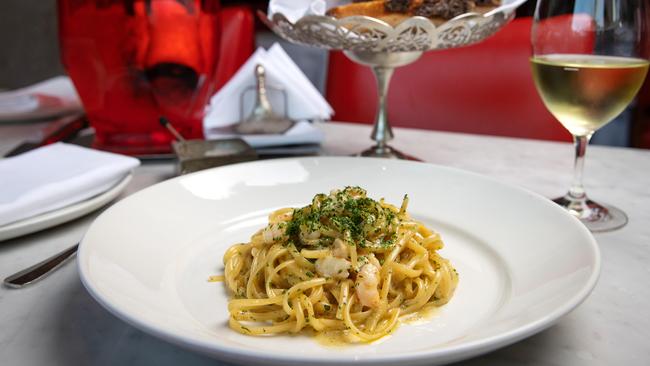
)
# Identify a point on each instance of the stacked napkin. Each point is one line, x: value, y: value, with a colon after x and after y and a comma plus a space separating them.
x: 55, y: 176
x: 303, y: 99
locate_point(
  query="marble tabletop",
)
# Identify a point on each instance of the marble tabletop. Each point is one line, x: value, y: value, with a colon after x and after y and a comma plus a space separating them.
x: 56, y: 322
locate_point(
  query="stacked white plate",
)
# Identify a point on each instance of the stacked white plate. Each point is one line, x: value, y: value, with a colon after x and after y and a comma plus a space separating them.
x: 57, y: 183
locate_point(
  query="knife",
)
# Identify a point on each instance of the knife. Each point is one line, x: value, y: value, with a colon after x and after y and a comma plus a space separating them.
x: 63, y: 129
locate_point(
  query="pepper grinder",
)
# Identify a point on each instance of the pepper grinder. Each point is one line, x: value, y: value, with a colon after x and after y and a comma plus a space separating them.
x: 263, y: 120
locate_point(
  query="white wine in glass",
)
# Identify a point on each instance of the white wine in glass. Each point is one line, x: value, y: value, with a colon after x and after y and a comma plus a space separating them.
x: 588, y: 65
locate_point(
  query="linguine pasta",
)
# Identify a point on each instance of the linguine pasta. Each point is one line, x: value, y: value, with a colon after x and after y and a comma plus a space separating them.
x: 343, y: 263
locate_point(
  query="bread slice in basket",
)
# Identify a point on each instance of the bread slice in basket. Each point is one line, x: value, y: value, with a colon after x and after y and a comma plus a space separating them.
x: 394, y: 12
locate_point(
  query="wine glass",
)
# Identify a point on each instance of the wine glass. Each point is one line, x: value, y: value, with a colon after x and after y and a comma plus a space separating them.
x: 589, y: 61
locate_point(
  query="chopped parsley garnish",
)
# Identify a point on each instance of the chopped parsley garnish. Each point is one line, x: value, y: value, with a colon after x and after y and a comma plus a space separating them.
x: 361, y: 220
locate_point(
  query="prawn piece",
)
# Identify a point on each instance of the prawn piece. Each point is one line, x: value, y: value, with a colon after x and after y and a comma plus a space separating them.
x: 333, y: 267
x: 374, y: 261
x: 366, y: 285
x: 311, y: 238
x: 272, y: 232
x: 340, y: 249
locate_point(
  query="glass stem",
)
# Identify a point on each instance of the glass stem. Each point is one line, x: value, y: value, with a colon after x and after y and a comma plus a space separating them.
x: 577, y: 190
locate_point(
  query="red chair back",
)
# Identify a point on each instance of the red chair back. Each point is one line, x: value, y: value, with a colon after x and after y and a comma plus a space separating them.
x: 237, y: 41
x: 484, y: 89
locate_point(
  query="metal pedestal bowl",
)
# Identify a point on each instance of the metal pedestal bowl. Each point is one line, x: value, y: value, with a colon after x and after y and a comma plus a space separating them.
x: 382, y: 47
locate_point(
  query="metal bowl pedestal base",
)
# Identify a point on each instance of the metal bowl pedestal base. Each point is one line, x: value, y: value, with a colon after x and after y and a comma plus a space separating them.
x: 383, y: 65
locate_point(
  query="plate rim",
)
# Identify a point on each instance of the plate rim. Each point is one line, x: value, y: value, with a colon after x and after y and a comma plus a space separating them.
x: 64, y: 214
x: 429, y: 357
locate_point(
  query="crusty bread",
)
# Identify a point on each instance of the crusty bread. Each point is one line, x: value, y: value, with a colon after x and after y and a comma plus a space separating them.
x: 376, y: 9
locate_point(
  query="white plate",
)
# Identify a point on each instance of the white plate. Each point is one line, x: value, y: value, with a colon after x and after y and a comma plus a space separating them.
x: 50, y: 98
x: 523, y: 261
x: 65, y: 214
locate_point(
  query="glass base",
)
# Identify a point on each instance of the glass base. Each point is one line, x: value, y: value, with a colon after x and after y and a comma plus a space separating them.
x: 595, y: 216
x: 385, y: 151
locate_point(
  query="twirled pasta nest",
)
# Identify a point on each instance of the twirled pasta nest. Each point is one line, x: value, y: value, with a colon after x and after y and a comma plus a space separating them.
x: 344, y: 263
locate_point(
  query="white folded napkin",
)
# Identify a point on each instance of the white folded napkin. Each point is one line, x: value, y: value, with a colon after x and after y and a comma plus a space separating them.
x: 53, y: 96
x: 296, y: 9
x: 55, y: 176
x: 303, y: 99
x: 302, y: 132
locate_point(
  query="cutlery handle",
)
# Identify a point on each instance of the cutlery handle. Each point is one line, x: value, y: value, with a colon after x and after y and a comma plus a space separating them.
x: 64, y: 129
x: 40, y: 270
